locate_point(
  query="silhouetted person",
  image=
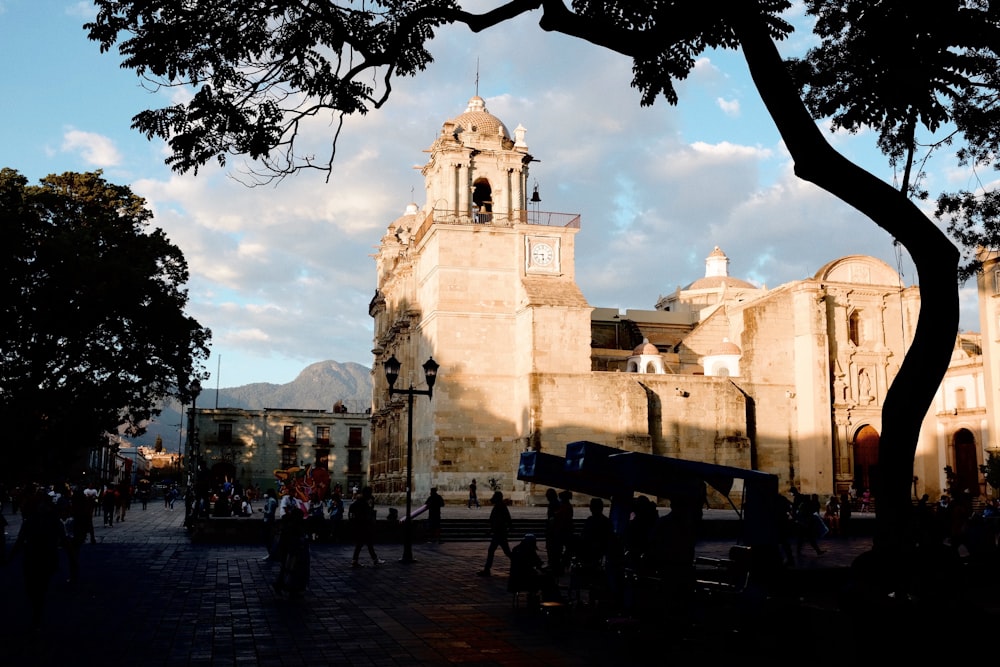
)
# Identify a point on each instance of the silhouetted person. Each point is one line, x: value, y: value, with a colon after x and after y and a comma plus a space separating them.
x: 473, y: 495
x: 673, y: 544
x: 845, y: 514
x: 526, y: 573
x: 362, y: 513
x: 807, y: 522
x: 638, y: 532
x: 597, y: 535
x: 500, y: 522
x: 83, y: 518
x: 293, y: 553
x: 563, y: 532
x: 552, y: 546
x: 108, y: 502
x: 270, y: 525
x: 336, y: 515
x: 434, y: 504
x: 38, y: 540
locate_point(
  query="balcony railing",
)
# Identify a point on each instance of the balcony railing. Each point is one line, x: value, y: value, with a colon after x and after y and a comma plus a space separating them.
x: 542, y: 218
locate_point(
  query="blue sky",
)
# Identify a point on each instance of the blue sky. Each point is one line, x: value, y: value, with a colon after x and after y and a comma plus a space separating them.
x: 283, y: 275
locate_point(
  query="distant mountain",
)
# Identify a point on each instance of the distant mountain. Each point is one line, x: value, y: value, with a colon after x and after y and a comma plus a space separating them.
x: 317, y: 387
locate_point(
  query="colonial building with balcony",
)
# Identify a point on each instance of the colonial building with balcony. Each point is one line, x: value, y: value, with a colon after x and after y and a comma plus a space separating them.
x: 247, y: 446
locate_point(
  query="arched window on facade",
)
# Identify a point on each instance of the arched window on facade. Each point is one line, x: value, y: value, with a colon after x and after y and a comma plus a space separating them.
x: 854, y: 327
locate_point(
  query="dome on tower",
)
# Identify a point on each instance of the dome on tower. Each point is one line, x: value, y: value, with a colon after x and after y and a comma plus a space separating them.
x: 478, y: 120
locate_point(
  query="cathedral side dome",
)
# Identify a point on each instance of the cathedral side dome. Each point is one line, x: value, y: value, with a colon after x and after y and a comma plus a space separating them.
x: 711, y: 282
x: 717, y: 274
x: 645, y: 347
x: 727, y: 347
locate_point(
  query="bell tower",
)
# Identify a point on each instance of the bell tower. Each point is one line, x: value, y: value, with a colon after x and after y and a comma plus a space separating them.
x: 476, y: 171
x: 486, y: 287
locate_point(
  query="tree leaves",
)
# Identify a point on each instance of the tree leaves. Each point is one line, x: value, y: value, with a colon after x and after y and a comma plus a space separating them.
x: 897, y: 66
x: 257, y: 70
x: 94, y: 332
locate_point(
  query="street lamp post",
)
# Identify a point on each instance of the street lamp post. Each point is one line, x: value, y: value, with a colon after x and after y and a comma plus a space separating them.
x: 392, y: 366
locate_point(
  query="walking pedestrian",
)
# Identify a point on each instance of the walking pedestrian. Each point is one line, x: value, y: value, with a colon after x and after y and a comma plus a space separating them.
x: 293, y: 553
x: 473, y: 497
x: 83, y: 518
x: 500, y: 523
x: 336, y: 513
x: 39, y: 539
x: 172, y: 496
x: 108, y: 502
x: 270, y: 510
x: 362, y: 514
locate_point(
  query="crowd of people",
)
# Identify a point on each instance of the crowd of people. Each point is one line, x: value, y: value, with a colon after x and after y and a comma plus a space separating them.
x: 57, y: 517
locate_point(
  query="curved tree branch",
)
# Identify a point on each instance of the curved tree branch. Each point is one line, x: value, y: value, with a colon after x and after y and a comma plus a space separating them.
x: 935, y: 257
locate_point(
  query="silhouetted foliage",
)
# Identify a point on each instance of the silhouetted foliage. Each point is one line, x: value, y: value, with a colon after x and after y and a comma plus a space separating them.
x: 926, y: 77
x: 94, y: 332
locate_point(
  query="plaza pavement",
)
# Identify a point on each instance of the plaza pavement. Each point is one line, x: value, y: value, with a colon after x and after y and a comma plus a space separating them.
x: 147, y: 596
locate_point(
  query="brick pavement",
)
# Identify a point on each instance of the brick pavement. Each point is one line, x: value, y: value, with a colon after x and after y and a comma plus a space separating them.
x: 148, y: 597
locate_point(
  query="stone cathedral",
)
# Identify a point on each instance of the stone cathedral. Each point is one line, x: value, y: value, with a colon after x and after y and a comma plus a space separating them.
x: 787, y: 380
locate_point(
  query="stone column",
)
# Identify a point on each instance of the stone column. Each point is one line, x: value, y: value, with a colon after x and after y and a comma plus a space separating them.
x: 463, y: 190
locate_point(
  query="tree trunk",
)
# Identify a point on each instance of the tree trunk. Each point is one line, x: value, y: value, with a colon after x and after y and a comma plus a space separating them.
x: 935, y: 257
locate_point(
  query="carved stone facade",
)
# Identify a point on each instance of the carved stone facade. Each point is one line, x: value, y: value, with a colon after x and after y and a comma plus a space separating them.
x: 788, y: 380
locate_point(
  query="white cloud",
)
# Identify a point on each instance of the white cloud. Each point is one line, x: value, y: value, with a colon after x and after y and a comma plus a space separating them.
x: 83, y: 10
x: 729, y: 107
x: 96, y: 149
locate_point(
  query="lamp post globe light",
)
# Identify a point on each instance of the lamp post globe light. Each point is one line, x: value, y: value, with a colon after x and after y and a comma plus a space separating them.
x: 392, y: 366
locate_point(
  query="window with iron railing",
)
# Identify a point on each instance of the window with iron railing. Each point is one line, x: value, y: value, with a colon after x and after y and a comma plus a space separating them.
x: 354, y: 438
x: 322, y: 436
x: 289, y: 435
x: 225, y: 434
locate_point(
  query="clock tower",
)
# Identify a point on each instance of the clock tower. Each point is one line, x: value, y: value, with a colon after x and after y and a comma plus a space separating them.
x: 485, y: 286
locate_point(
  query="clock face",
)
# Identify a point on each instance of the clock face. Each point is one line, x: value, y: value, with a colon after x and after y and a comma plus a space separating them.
x: 541, y: 254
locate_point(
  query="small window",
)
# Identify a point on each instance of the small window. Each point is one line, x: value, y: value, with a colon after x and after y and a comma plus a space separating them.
x: 354, y: 462
x: 289, y: 457
x: 225, y: 434
x: 289, y: 435
x: 322, y: 436
x: 960, y: 398
x: 354, y: 437
x: 854, y: 328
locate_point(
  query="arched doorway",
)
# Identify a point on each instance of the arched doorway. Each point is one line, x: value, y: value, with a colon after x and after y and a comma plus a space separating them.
x: 966, y: 462
x: 866, y: 458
